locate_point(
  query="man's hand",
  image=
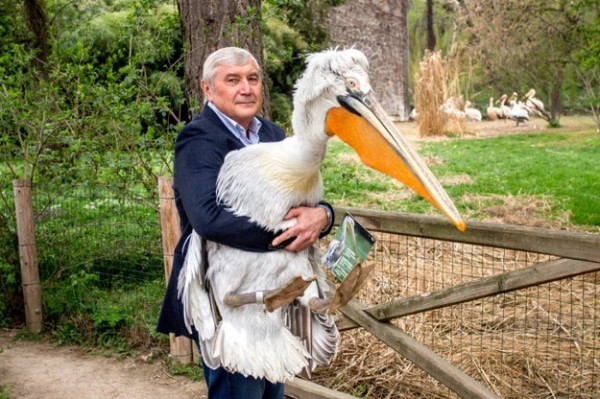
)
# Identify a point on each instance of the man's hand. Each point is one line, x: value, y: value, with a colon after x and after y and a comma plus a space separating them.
x: 310, y: 222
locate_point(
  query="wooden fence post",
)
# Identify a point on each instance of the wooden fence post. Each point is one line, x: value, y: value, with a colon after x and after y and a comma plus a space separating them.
x: 181, y: 347
x: 30, y: 276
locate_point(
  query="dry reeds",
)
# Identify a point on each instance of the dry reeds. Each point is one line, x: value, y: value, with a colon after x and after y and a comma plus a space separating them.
x: 436, y: 83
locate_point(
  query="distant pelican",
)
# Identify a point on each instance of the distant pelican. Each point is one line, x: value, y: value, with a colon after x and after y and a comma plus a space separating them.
x: 536, y: 105
x: 514, y: 110
x: 449, y: 108
x: 494, y: 113
x: 518, y: 111
x: 473, y: 114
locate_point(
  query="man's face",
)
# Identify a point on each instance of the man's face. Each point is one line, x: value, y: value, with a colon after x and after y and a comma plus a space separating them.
x: 236, y: 91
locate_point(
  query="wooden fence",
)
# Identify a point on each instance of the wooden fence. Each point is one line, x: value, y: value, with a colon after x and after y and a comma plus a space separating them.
x: 182, y: 348
x: 565, y: 257
x: 570, y: 254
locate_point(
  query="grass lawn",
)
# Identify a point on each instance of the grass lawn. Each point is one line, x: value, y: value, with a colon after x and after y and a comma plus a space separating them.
x: 551, y: 175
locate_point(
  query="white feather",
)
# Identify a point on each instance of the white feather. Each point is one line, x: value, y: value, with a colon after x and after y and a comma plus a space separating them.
x: 325, y: 335
x: 241, y: 351
x: 325, y: 338
x: 192, y: 292
x: 269, y: 168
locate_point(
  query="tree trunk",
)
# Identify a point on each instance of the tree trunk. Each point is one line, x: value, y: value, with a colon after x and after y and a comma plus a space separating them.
x: 555, y: 98
x: 207, y: 25
x: 35, y: 16
x: 380, y: 30
x: 430, y: 31
x: 403, y: 107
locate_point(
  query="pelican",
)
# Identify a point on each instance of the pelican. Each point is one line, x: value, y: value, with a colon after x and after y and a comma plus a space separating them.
x: 536, y: 105
x: 253, y: 292
x: 449, y: 108
x: 472, y: 113
x: 518, y: 111
x: 414, y: 115
x: 494, y: 113
x: 504, y: 109
x: 514, y: 110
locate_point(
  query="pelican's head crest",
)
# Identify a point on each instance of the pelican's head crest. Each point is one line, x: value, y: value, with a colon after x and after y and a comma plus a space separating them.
x: 331, y: 73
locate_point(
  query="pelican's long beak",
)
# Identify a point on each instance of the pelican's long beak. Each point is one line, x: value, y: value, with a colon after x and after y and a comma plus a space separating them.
x: 364, y: 125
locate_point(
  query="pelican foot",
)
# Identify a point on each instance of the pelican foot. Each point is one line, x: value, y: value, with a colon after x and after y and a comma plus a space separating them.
x: 350, y: 286
x: 286, y: 294
x: 272, y: 299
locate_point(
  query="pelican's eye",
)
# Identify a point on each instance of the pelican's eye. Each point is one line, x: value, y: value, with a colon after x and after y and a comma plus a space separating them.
x: 352, y: 84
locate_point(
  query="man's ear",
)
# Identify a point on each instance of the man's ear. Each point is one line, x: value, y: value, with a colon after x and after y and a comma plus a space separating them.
x: 205, y: 87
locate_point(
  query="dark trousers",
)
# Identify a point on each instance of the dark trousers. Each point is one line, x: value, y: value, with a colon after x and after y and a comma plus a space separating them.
x: 225, y: 385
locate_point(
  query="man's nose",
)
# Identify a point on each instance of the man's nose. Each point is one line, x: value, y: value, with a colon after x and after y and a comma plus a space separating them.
x: 245, y: 86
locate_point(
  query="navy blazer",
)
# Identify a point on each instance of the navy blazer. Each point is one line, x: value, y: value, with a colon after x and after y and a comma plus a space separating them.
x: 200, y: 150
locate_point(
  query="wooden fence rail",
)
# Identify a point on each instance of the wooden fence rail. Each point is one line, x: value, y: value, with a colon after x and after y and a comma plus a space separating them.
x: 485, y: 287
x: 566, y: 244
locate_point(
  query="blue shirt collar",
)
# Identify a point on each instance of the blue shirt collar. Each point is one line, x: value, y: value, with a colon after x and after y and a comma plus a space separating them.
x: 238, y: 130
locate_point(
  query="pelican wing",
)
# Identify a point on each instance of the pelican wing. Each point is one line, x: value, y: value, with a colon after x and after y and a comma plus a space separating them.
x: 192, y: 291
x: 324, y: 331
x: 325, y: 338
x: 275, y: 176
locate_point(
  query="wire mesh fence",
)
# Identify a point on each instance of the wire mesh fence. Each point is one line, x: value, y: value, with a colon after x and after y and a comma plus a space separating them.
x: 539, y: 342
x: 101, y: 266
x: 93, y: 229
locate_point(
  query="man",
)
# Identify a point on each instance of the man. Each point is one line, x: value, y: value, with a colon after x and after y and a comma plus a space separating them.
x: 232, y: 86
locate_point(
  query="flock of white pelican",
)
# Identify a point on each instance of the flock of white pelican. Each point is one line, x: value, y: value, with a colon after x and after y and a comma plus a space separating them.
x: 518, y: 108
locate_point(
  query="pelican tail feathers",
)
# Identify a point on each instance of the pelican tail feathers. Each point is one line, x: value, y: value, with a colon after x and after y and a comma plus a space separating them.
x: 277, y: 356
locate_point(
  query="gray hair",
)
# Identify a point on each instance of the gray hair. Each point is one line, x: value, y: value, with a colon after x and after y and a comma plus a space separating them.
x: 225, y: 56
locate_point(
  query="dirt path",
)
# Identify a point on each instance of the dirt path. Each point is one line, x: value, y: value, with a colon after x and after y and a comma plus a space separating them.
x: 33, y: 370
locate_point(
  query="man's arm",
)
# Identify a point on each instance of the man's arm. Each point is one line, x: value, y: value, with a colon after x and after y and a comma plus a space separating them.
x: 198, y: 158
